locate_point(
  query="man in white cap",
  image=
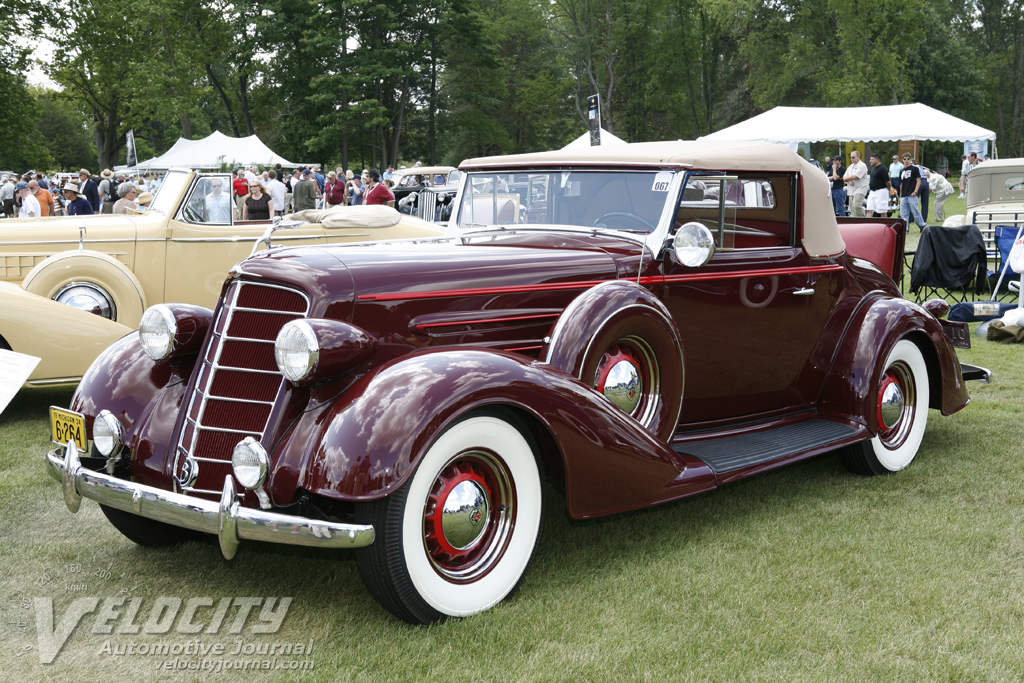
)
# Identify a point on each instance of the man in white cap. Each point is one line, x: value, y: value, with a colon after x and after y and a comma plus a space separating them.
x: 29, y: 204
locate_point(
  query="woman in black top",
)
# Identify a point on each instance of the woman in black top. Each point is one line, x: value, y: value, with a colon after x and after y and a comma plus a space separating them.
x: 258, y: 206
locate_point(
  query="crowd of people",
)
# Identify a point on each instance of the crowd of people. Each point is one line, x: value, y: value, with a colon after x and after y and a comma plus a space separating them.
x: 36, y: 195
x: 904, y: 186
x: 258, y: 195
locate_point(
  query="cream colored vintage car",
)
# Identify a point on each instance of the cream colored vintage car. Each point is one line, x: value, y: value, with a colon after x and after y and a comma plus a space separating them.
x: 67, y: 340
x: 179, y: 250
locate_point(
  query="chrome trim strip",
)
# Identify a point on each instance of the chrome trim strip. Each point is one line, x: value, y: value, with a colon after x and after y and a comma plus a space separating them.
x: 247, y: 339
x: 227, y: 518
x: 227, y: 430
x: 240, y: 400
x: 252, y: 370
x: 260, y: 310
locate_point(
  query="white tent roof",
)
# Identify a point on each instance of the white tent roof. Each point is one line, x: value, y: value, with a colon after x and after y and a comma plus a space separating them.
x: 787, y: 125
x: 214, y: 151
x: 584, y: 140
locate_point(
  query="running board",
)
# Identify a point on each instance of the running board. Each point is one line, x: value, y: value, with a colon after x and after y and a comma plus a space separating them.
x: 754, y: 448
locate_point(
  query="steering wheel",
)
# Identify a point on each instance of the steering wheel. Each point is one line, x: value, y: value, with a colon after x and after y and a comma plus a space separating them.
x: 647, y: 225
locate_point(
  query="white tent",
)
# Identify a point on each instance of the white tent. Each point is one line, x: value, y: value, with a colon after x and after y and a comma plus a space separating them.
x: 214, y: 151
x: 790, y: 125
x: 606, y: 139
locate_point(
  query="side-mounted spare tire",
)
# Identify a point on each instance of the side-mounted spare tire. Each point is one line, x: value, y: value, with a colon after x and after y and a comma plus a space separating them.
x: 92, y: 281
x: 620, y: 339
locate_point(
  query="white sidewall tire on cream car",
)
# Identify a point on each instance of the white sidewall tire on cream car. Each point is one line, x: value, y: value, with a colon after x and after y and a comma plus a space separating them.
x: 95, y: 270
x: 408, y: 568
x: 894, y: 447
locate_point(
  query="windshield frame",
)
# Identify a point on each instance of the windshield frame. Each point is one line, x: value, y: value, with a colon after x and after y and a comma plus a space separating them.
x: 653, y: 240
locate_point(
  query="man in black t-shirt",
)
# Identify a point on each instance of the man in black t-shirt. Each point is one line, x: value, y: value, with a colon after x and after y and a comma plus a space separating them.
x: 835, y: 174
x: 910, y: 183
x: 879, y: 187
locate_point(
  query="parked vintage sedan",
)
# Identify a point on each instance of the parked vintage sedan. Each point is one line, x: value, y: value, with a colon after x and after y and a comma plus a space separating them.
x: 640, y: 323
x: 407, y: 181
x: 179, y: 250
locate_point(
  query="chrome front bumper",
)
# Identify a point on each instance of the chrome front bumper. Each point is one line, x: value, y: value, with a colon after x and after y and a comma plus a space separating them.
x: 226, y: 519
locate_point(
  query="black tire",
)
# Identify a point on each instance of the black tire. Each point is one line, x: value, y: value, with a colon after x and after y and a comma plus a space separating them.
x: 147, y: 532
x: 425, y: 566
x: 895, y: 446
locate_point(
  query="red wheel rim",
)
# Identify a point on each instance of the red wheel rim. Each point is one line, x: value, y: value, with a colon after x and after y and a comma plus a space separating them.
x: 445, y: 541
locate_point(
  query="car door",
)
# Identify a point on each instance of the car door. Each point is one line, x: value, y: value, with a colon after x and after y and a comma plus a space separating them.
x: 751, y: 317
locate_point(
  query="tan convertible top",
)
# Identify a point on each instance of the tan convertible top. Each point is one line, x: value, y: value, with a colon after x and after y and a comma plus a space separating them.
x: 820, y: 232
x: 362, y: 216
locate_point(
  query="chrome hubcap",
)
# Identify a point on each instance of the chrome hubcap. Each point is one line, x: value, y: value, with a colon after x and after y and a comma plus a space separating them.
x: 890, y: 403
x: 464, y: 514
x: 622, y: 385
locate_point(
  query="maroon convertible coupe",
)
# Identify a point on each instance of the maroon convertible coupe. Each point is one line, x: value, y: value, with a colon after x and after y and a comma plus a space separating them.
x: 640, y: 323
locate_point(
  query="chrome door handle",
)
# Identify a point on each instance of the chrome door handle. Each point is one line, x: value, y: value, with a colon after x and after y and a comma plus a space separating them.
x: 803, y: 292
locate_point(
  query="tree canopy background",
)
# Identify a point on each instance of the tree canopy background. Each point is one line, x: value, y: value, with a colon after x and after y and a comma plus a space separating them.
x: 360, y: 82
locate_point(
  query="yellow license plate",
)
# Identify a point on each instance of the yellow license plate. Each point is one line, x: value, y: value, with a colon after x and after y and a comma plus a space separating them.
x: 65, y: 426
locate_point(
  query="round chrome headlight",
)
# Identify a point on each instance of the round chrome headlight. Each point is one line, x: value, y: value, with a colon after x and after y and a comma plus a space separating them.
x: 693, y: 244
x: 296, y: 350
x: 249, y: 462
x: 88, y: 297
x: 156, y: 332
x: 107, y: 433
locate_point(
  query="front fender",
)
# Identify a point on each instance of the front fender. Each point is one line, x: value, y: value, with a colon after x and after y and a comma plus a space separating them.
x: 850, y: 390
x: 367, y: 442
x: 144, y: 395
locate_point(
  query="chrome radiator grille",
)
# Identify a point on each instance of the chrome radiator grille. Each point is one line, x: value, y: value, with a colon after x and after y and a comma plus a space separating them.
x: 238, y: 383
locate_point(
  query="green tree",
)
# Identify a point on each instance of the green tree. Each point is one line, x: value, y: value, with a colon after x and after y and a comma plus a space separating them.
x: 63, y: 130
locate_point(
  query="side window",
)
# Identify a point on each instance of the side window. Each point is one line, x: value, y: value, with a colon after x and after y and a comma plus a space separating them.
x: 210, y: 201
x: 743, y: 212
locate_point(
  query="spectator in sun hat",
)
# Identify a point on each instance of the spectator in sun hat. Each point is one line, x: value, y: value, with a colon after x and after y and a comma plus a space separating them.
x: 77, y: 205
x: 108, y: 191
x: 88, y: 189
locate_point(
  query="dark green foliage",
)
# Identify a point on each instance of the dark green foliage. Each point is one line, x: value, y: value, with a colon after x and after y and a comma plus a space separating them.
x: 360, y: 83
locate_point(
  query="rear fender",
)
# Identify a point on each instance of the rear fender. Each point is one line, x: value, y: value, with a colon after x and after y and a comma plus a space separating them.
x: 367, y: 442
x: 850, y: 390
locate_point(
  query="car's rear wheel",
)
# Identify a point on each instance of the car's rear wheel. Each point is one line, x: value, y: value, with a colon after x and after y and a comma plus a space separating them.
x: 457, y: 538
x: 901, y: 406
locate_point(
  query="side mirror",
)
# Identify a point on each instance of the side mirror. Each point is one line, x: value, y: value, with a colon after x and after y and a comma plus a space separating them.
x: 693, y: 244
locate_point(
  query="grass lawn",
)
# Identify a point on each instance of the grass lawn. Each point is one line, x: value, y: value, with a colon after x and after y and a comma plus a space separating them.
x: 804, y: 574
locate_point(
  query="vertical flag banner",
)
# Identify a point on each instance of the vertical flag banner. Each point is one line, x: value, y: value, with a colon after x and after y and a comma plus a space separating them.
x: 130, y: 141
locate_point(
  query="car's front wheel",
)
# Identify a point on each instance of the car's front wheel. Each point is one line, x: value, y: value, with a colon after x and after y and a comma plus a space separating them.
x: 458, y: 536
x: 901, y: 406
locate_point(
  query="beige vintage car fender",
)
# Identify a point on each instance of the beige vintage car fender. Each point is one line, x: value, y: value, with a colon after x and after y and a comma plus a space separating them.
x: 66, y: 339
x: 89, y: 280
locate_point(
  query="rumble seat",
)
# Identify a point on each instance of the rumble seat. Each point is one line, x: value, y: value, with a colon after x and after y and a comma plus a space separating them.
x: 874, y: 242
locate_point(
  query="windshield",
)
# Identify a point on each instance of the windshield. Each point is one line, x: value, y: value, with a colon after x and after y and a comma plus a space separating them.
x: 621, y: 199
x: 170, y: 189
